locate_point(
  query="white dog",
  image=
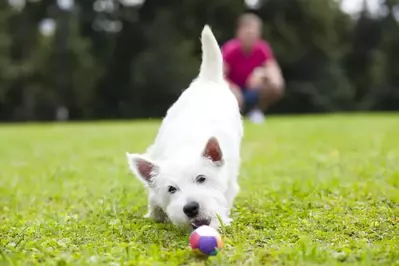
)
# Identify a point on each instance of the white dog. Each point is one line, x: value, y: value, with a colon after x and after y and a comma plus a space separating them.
x: 191, y: 169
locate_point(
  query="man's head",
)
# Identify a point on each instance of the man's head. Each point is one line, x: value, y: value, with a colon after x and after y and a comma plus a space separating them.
x: 249, y: 30
x: 190, y: 191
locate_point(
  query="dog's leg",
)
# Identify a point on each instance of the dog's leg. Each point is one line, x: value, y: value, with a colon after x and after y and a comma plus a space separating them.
x: 155, y: 212
x: 226, y: 221
x: 231, y: 193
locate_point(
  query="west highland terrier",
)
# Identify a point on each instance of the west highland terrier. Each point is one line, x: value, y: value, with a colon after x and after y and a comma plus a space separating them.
x: 192, y: 167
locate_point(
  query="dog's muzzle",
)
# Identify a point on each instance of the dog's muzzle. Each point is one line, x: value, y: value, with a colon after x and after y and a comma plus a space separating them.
x: 200, y: 222
x: 191, y: 209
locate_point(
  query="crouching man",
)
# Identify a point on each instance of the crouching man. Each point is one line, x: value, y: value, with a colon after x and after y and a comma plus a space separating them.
x: 251, y: 69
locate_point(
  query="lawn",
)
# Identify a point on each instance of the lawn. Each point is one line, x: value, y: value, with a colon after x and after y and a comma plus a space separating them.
x: 315, y: 190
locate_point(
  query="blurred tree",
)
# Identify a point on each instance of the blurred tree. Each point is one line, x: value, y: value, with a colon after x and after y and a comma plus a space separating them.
x: 119, y: 61
x: 22, y: 95
x: 308, y: 40
x: 84, y: 71
x: 6, y: 67
x: 164, y: 69
x: 387, y: 96
x: 363, y: 61
x: 156, y: 53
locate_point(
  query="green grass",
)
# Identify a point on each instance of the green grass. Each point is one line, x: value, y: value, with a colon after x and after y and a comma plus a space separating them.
x: 315, y: 190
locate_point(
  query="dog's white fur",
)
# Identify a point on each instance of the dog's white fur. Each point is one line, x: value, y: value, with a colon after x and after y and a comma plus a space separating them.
x: 200, y: 137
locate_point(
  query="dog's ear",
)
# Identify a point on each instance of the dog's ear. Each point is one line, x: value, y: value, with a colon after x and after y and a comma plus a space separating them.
x: 142, y: 167
x: 213, y: 151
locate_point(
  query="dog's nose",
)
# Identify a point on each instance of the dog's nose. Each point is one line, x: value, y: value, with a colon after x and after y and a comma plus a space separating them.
x: 191, y: 209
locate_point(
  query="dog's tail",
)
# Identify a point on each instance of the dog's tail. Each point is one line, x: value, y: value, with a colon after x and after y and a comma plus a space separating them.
x: 212, y: 60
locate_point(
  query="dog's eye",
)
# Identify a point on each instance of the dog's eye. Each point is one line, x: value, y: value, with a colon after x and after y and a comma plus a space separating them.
x: 172, y: 190
x: 200, y: 179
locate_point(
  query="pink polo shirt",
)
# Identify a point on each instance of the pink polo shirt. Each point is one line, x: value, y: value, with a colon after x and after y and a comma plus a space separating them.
x: 241, y: 64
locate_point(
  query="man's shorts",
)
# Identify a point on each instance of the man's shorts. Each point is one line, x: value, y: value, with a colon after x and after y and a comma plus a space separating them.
x: 251, y: 99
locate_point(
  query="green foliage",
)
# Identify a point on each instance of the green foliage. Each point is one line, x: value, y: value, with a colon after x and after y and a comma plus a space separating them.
x: 86, y: 70
x: 307, y: 39
x: 159, y: 65
x: 5, y: 45
x: 68, y: 198
x: 125, y: 62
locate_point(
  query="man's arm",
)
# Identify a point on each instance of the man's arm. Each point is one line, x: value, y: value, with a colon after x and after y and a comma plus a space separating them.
x: 226, y: 69
x: 235, y: 89
x: 227, y: 52
x: 273, y: 74
x: 272, y: 71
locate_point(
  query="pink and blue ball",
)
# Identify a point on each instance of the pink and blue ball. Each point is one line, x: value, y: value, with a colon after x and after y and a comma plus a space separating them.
x: 205, y: 240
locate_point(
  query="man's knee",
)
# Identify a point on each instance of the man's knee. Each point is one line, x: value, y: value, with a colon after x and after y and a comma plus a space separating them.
x: 270, y: 95
x: 279, y: 92
x: 238, y: 94
x: 273, y: 91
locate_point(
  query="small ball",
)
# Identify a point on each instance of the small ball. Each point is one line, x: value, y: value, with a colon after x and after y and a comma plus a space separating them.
x: 206, y: 240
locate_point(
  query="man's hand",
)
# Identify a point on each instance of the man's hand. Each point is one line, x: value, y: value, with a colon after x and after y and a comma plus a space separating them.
x: 268, y: 75
x: 272, y: 74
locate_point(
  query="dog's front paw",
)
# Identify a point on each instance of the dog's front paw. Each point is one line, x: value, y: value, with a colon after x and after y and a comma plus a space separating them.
x: 226, y: 221
x: 156, y: 214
